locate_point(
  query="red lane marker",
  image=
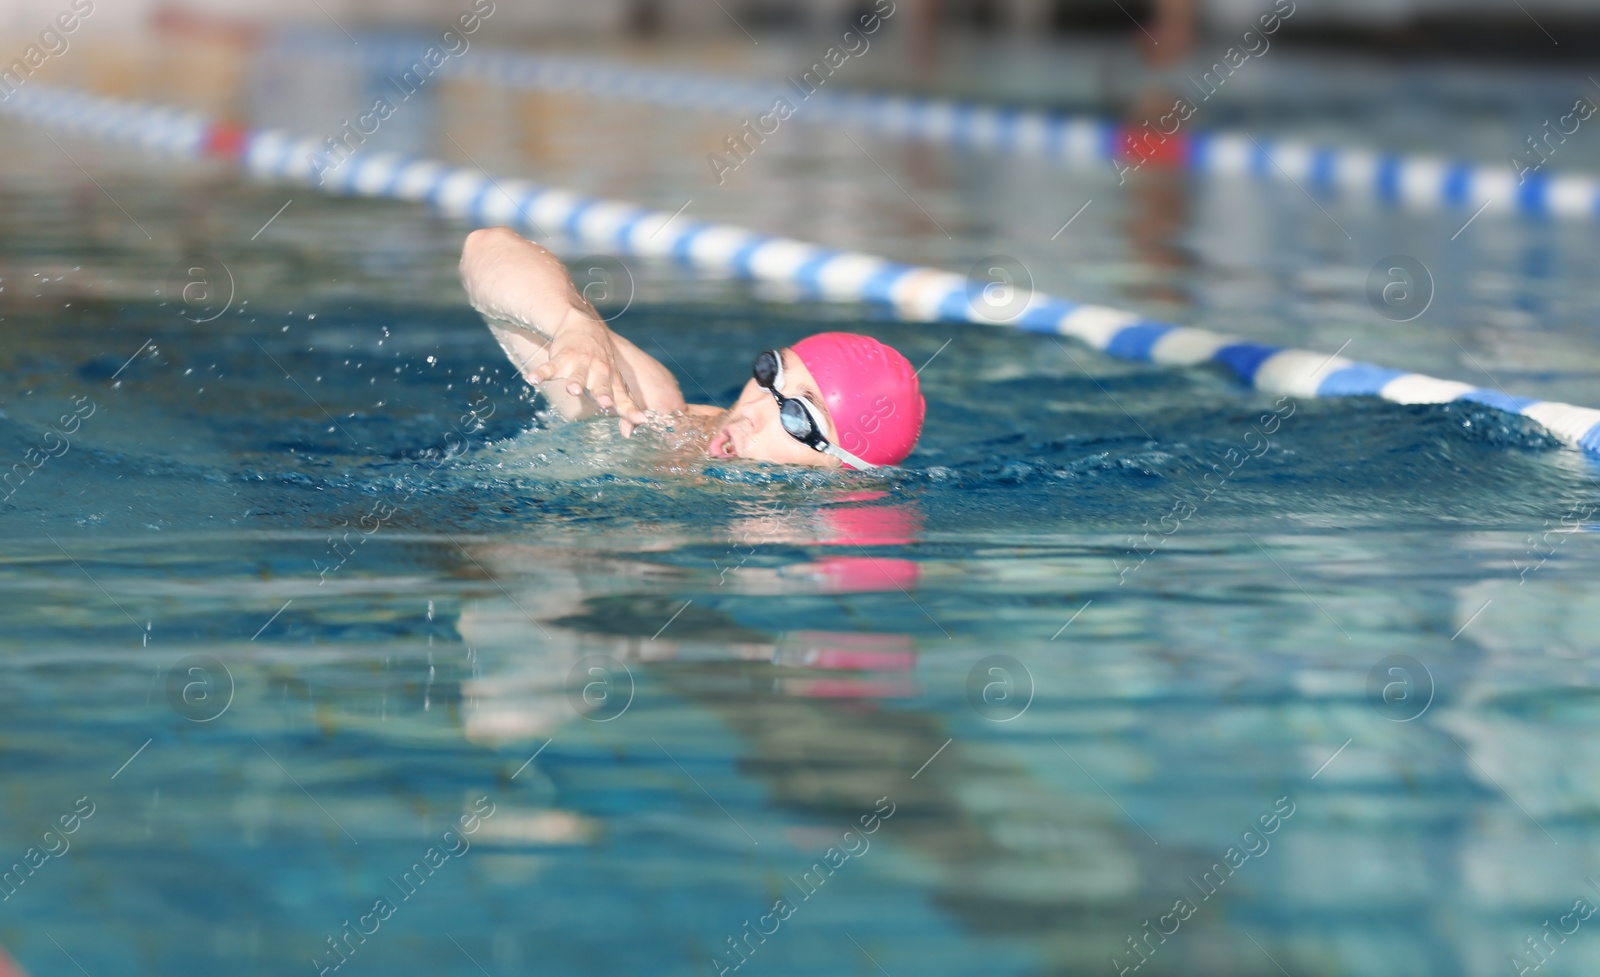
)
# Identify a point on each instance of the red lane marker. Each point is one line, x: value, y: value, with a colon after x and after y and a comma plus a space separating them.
x: 169, y: 19
x: 1147, y: 144
x: 227, y: 140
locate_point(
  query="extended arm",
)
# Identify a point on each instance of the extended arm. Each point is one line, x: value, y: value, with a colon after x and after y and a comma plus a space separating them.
x: 550, y: 330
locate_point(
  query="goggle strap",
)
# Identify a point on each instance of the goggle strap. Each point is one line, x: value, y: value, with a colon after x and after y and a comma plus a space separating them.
x: 810, y: 411
x: 848, y: 458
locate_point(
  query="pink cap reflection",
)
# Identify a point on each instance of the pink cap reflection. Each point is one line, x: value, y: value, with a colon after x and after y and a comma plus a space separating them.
x: 894, y: 524
x: 849, y: 651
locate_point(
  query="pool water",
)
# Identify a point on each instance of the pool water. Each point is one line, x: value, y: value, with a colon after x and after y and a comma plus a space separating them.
x: 480, y: 694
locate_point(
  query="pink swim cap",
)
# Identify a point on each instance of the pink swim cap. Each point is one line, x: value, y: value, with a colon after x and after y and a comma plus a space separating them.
x: 871, y: 392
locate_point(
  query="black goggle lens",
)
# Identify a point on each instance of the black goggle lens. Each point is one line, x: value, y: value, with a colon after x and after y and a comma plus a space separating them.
x: 796, y: 419
x: 765, y: 369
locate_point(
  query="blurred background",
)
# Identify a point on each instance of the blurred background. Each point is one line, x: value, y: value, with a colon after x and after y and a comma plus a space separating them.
x: 1476, y: 82
x: 1486, y: 25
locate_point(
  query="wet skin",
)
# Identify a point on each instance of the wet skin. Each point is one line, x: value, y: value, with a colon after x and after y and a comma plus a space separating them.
x: 549, y: 331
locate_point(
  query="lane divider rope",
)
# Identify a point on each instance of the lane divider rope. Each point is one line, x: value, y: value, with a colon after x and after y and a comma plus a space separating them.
x: 917, y: 293
x: 1413, y: 181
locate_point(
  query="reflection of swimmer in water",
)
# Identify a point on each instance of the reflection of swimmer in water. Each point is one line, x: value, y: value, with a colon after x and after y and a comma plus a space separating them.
x: 832, y: 399
x: 8, y: 967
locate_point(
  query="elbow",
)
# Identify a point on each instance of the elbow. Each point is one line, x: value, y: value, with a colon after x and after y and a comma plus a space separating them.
x: 479, y: 250
x: 486, y: 239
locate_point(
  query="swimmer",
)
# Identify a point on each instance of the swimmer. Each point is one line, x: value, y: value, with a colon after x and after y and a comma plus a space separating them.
x: 834, y: 399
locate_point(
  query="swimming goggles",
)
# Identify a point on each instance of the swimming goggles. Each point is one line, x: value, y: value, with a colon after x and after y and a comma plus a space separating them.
x: 800, y: 417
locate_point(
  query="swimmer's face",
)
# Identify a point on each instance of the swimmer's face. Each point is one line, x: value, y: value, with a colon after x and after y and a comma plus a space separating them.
x: 751, y: 427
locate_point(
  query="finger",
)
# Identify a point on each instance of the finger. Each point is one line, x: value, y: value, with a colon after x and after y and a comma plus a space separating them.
x: 572, y: 386
x: 625, y: 427
x: 599, y: 384
x: 627, y: 407
x: 610, y: 390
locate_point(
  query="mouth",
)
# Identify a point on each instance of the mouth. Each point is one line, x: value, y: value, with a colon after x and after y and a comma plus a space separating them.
x: 722, y: 445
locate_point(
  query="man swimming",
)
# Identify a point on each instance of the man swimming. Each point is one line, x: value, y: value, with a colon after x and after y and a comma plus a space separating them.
x: 833, y: 399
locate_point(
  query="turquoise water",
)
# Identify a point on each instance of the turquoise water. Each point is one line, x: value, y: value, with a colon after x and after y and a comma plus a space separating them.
x: 661, y: 699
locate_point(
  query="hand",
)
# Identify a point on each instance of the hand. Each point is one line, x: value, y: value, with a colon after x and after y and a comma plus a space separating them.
x: 627, y: 425
x: 583, y: 353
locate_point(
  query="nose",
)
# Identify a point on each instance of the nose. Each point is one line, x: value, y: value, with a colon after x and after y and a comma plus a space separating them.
x: 756, y: 406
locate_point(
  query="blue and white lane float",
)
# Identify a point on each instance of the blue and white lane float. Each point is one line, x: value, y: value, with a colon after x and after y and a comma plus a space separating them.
x: 1413, y: 181
x: 925, y: 294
